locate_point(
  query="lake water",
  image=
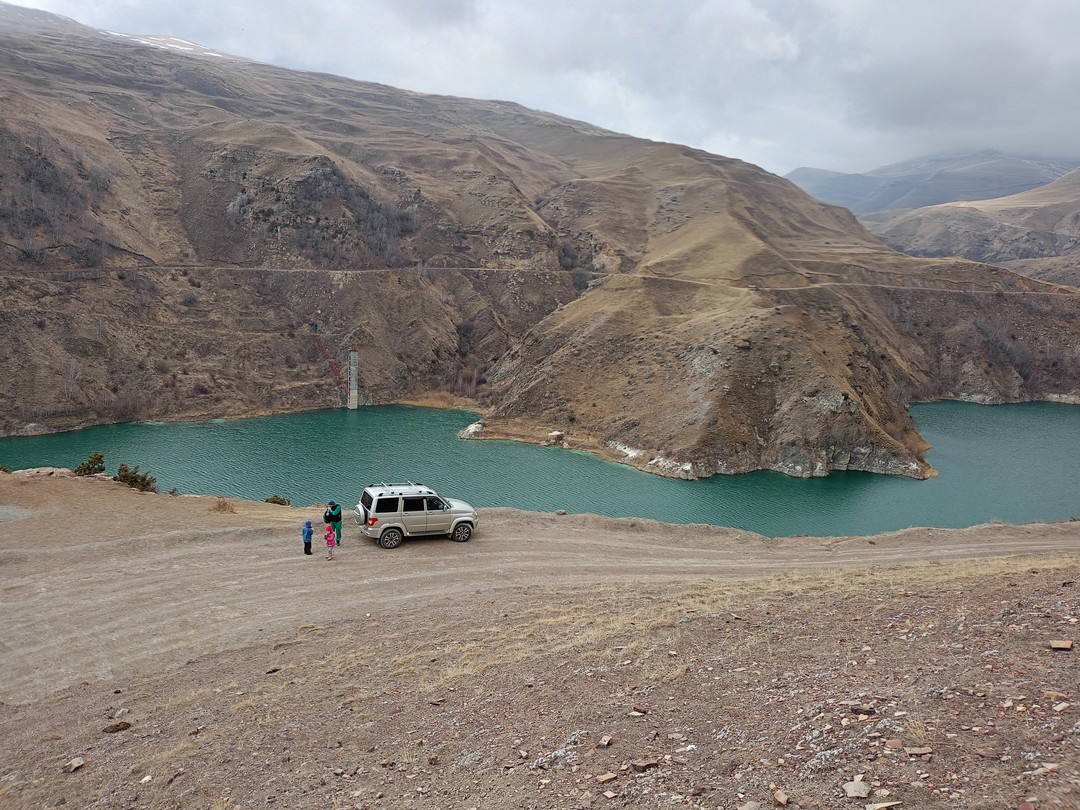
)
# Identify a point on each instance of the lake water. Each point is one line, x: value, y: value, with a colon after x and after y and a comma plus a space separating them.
x: 1009, y: 463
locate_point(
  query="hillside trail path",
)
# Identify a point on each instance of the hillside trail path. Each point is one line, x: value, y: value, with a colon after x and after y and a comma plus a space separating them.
x: 98, y: 580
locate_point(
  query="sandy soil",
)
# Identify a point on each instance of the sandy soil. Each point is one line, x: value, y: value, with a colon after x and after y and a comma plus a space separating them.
x: 717, y: 663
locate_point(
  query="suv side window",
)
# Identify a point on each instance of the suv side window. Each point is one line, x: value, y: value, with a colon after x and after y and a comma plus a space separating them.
x: 435, y: 504
x: 386, y: 506
x: 413, y: 505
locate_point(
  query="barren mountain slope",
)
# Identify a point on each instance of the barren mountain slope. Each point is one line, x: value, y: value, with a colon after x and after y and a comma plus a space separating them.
x: 777, y: 336
x: 180, y: 223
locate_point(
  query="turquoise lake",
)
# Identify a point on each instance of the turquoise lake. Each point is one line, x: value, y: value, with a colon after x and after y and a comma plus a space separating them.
x: 1008, y: 463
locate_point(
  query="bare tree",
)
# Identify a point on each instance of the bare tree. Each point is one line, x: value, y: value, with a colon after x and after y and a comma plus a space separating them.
x: 71, y: 372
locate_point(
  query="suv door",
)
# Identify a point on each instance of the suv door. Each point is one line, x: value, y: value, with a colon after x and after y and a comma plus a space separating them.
x: 413, y: 515
x: 439, y: 516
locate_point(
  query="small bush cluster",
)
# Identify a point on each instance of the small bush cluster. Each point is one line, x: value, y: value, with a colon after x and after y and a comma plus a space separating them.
x: 94, y: 465
x: 144, y: 482
x: 279, y: 500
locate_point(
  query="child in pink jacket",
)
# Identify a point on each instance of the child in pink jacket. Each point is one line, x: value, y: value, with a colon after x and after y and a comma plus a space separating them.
x: 330, y: 542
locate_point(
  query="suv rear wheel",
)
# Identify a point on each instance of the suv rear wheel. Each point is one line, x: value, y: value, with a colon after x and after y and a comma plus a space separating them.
x: 391, y: 538
x: 462, y: 532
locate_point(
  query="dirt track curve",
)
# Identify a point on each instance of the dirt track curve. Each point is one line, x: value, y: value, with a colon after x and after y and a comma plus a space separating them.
x: 99, y: 580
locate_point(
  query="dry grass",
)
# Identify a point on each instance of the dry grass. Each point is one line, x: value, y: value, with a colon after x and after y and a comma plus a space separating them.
x: 605, y: 621
x: 926, y: 572
x: 223, y: 506
x: 917, y: 731
x: 160, y: 761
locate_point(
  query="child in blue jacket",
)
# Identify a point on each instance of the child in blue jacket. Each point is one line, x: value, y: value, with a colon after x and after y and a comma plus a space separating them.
x: 307, y: 532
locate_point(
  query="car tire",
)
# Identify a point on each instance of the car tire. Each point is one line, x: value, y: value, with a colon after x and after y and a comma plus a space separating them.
x: 391, y: 538
x: 462, y: 532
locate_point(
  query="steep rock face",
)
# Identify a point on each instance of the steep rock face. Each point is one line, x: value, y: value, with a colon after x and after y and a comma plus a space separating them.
x: 86, y: 348
x: 179, y: 227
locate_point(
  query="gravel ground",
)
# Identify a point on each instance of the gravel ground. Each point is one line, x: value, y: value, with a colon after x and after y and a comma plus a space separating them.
x: 181, y: 652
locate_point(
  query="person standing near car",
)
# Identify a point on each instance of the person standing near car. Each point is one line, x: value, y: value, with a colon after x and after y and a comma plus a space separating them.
x: 332, y: 516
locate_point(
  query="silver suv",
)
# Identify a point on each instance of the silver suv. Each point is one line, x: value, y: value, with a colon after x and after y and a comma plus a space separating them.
x: 391, y: 512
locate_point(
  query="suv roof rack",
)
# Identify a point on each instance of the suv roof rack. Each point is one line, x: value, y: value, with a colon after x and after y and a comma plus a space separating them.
x: 397, y: 488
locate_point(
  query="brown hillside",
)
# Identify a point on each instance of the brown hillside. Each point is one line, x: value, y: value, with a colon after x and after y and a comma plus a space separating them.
x: 177, y: 224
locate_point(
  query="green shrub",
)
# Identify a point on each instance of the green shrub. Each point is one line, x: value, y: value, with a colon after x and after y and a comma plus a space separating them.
x: 144, y: 482
x: 92, y: 466
x: 280, y: 501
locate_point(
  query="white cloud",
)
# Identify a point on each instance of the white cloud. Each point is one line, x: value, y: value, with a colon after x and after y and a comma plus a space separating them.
x: 840, y: 84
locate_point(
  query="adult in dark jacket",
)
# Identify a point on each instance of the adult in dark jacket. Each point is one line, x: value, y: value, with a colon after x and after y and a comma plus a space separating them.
x: 332, y: 515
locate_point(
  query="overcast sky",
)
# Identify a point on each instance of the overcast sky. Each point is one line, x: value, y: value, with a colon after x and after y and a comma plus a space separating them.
x: 847, y: 85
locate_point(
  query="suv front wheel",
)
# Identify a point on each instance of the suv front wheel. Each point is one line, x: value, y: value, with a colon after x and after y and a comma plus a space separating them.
x: 391, y: 538
x: 462, y: 532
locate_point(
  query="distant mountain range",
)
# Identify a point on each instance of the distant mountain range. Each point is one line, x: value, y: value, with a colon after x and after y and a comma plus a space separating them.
x: 932, y: 180
x: 1036, y: 232
x: 1016, y: 212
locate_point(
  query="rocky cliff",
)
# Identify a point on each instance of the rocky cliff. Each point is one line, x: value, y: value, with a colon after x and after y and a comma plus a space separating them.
x: 177, y: 227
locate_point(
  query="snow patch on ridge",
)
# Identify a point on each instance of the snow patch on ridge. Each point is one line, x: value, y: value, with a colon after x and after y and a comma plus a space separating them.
x: 170, y: 43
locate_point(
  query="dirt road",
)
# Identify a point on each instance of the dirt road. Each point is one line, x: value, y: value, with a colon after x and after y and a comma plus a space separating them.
x: 100, y: 581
